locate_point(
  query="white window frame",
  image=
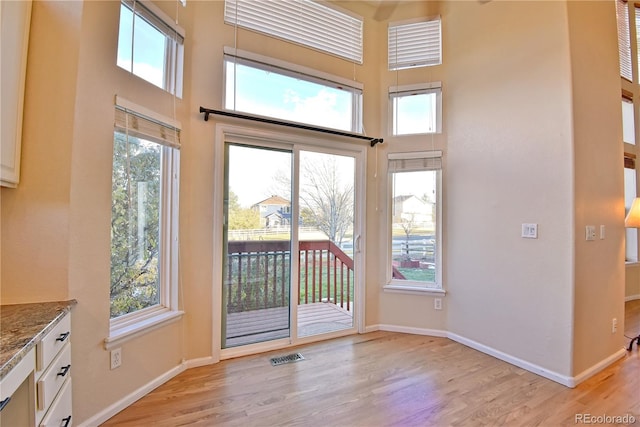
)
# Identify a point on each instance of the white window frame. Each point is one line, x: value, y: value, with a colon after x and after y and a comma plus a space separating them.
x: 174, y: 43
x: 298, y: 72
x: 131, y: 325
x: 315, y: 25
x: 409, y: 286
x: 415, y: 89
x: 414, y: 43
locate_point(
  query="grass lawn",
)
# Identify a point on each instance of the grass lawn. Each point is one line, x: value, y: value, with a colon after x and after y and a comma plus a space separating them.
x: 418, y: 274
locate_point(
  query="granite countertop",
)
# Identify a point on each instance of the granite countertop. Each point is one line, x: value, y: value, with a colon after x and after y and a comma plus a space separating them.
x: 22, y: 326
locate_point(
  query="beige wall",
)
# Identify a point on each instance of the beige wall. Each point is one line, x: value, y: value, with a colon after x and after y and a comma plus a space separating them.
x: 598, y: 182
x: 518, y: 114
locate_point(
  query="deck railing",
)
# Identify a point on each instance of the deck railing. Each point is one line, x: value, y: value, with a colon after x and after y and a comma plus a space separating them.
x: 257, y: 274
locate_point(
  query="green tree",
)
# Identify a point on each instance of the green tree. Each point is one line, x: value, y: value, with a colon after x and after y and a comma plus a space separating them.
x: 135, y: 226
x: 326, y: 197
x: 241, y: 218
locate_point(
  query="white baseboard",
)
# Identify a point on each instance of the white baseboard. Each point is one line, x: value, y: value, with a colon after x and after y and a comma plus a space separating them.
x: 411, y: 330
x: 598, y: 367
x: 371, y: 328
x: 201, y: 361
x: 631, y: 298
x: 531, y: 367
x: 123, y: 403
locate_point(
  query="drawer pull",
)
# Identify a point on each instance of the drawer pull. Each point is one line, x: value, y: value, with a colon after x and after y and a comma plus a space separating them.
x: 4, y: 402
x: 64, y: 370
x: 63, y: 337
x: 66, y: 421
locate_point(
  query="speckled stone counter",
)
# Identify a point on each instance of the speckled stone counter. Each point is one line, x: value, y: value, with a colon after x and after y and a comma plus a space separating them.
x: 22, y: 326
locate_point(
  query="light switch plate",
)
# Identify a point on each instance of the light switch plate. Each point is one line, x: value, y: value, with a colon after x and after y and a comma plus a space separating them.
x: 530, y: 231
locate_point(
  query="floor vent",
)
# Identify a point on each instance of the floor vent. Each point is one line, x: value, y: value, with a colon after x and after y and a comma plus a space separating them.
x: 275, y: 361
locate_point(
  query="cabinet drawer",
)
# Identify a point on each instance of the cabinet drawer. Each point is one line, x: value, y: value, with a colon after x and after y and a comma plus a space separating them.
x: 59, y: 414
x: 53, y: 379
x: 52, y: 343
x: 17, y: 375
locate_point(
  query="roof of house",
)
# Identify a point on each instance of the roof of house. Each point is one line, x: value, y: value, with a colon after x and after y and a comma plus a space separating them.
x: 274, y: 200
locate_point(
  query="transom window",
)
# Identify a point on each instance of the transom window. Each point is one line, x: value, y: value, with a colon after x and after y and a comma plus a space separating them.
x: 285, y: 93
x: 416, y: 43
x: 414, y: 220
x: 308, y: 23
x: 416, y: 109
x: 150, y: 46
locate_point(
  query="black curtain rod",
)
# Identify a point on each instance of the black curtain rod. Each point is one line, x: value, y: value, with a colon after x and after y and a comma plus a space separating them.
x: 208, y: 111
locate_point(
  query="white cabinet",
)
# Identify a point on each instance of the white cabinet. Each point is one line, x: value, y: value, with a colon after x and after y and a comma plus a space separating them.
x: 37, y: 391
x: 17, y: 393
x: 15, y: 21
x: 53, y: 376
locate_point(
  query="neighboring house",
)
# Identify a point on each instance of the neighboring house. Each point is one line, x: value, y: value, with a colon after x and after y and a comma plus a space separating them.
x: 274, y: 211
x: 413, y: 209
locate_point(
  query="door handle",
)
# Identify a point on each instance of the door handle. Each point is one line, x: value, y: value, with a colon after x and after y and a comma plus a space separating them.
x: 356, y: 243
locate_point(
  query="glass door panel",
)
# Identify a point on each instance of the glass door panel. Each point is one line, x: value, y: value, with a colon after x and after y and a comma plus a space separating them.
x: 257, y: 245
x: 326, y: 243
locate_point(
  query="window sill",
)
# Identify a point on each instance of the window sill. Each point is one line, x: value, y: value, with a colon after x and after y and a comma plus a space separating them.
x: 414, y: 290
x: 130, y: 330
x: 632, y: 263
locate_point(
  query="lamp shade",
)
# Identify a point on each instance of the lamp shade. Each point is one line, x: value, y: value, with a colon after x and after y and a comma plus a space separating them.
x: 633, y: 217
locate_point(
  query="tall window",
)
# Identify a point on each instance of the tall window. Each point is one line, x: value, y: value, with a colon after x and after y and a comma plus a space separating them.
x: 144, y: 213
x: 624, y: 39
x: 414, y: 44
x: 285, y: 93
x: 416, y: 109
x: 628, y: 122
x: 150, y: 46
x: 414, y: 220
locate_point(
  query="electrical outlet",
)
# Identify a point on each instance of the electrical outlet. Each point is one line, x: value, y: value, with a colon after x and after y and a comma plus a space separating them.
x: 437, y: 303
x: 116, y: 358
x: 614, y: 325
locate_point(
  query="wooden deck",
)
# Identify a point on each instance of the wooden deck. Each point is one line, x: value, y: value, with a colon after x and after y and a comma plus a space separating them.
x: 273, y: 323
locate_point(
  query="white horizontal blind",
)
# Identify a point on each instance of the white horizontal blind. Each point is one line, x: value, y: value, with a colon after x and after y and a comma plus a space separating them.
x: 624, y: 39
x: 301, y: 21
x: 415, y: 44
x: 411, y: 162
x: 144, y: 127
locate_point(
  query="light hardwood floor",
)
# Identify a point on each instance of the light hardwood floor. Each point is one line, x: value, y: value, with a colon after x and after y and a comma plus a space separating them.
x: 383, y: 379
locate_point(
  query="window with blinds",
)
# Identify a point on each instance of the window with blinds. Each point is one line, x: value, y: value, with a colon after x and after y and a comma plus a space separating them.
x: 415, y: 234
x: 138, y: 125
x: 415, y: 44
x: 144, y: 217
x: 624, y: 39
x: 305, y: 22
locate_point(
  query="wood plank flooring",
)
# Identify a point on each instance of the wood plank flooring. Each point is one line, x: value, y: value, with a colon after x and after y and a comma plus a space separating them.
x: 382, y: 379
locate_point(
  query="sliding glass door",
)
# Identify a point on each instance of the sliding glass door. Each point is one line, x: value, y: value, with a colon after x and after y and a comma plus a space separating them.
x: 256, y: 285
x: 290, y: 242
x: 326, y: 242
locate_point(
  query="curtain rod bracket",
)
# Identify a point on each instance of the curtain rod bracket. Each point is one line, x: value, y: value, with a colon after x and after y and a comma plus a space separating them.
x: 208, y: 111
